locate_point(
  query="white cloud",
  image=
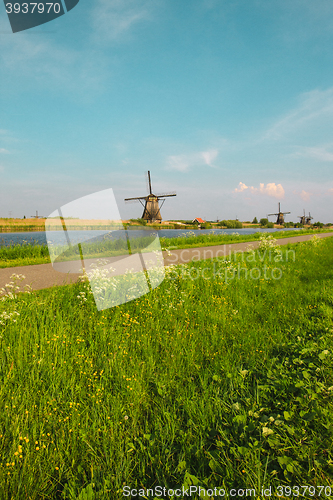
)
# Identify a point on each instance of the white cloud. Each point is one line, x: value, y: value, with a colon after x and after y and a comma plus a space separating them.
x: 4, y: 151
x: 209, y: 156
x: 112, y: 19
x: 242, y: 187
x: 271, y: 189
x: 305, y: 195
x: 184, y: 162
x: 179, y: 162
x: 315, y: 108
x: 317, y: 153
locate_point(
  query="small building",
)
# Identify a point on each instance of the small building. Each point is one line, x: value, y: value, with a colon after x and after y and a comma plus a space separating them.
x: 198, y: 220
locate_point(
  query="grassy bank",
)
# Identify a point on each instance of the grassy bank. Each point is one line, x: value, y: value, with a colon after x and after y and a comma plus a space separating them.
x: 29, y: 254
x: 193, y: 241
x: 218, y: 378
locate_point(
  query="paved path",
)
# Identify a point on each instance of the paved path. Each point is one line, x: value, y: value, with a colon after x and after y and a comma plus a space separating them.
x: 44, y: 276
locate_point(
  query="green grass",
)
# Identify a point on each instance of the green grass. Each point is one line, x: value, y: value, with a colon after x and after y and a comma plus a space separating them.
x: 24, y: 255
x: 203, y: 381
x: 29, y: 254
x: 192, y: 241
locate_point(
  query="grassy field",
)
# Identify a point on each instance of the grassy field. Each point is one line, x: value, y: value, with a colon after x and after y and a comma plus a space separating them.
x: 220, y: 378
x: 29, y: 254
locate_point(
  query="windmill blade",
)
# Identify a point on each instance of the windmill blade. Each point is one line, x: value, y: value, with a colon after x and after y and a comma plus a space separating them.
x: 147, y: 176
x: 165, y: 195
x: 150, y: 191
x: 137, y: 198
x: 169, y: 193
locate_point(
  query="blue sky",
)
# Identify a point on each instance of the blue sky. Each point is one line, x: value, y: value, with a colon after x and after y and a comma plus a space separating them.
x: 229, y: 103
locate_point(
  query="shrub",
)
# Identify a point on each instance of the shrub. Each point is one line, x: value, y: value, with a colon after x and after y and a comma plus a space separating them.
x: 263, y: 222
x: 142, y: 222
x: 231, y: 224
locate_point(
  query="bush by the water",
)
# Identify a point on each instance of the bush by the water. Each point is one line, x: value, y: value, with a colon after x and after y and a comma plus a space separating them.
x: 266, y: 223
x: 230, y: 224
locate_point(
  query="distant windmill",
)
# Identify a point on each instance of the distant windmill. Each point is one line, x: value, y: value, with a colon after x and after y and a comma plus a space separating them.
x: 151, y: 212
x: 302, y: 218
x: 37, y: 216
x: 280, y: 216
x: 308, y: 219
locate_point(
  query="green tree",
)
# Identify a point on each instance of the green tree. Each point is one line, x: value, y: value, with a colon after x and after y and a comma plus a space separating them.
x: 255, y: 221
x: 263, y: 222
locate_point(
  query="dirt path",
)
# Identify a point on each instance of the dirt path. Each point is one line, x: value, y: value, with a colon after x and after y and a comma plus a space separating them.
x: 44, y: 276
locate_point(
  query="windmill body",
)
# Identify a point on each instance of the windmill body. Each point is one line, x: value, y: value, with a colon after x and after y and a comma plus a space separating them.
x: 302, y: 218
x: 280, y: 216
x: 151, y: 205
x: 308, y: 219
x: 151, y: 212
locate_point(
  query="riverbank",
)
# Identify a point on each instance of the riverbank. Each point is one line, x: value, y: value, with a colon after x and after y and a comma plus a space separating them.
x: 32, y: 254
x: 43, y: 275
x: 31, y: 225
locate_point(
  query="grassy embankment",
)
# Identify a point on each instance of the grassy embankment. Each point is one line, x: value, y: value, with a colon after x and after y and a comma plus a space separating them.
x: 206, y: 381
x: 30, y: 254
x: 30, y: 225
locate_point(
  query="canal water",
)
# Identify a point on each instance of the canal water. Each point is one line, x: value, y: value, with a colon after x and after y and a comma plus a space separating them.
x: 56, y: 237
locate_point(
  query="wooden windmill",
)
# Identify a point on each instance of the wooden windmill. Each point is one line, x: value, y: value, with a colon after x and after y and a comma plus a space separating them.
x: 280, y: 216
x: 37, y: 216
x: 302, y: 218
x: 308, y: 219
x: 150, y: 203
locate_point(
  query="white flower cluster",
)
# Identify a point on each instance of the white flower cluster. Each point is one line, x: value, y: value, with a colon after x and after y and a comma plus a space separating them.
x: 8, y: 293
x: 267, y: 242
x: 82, y: 297
x: 5, y: 316
x: 110, y: 290
x: 10, y: 288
